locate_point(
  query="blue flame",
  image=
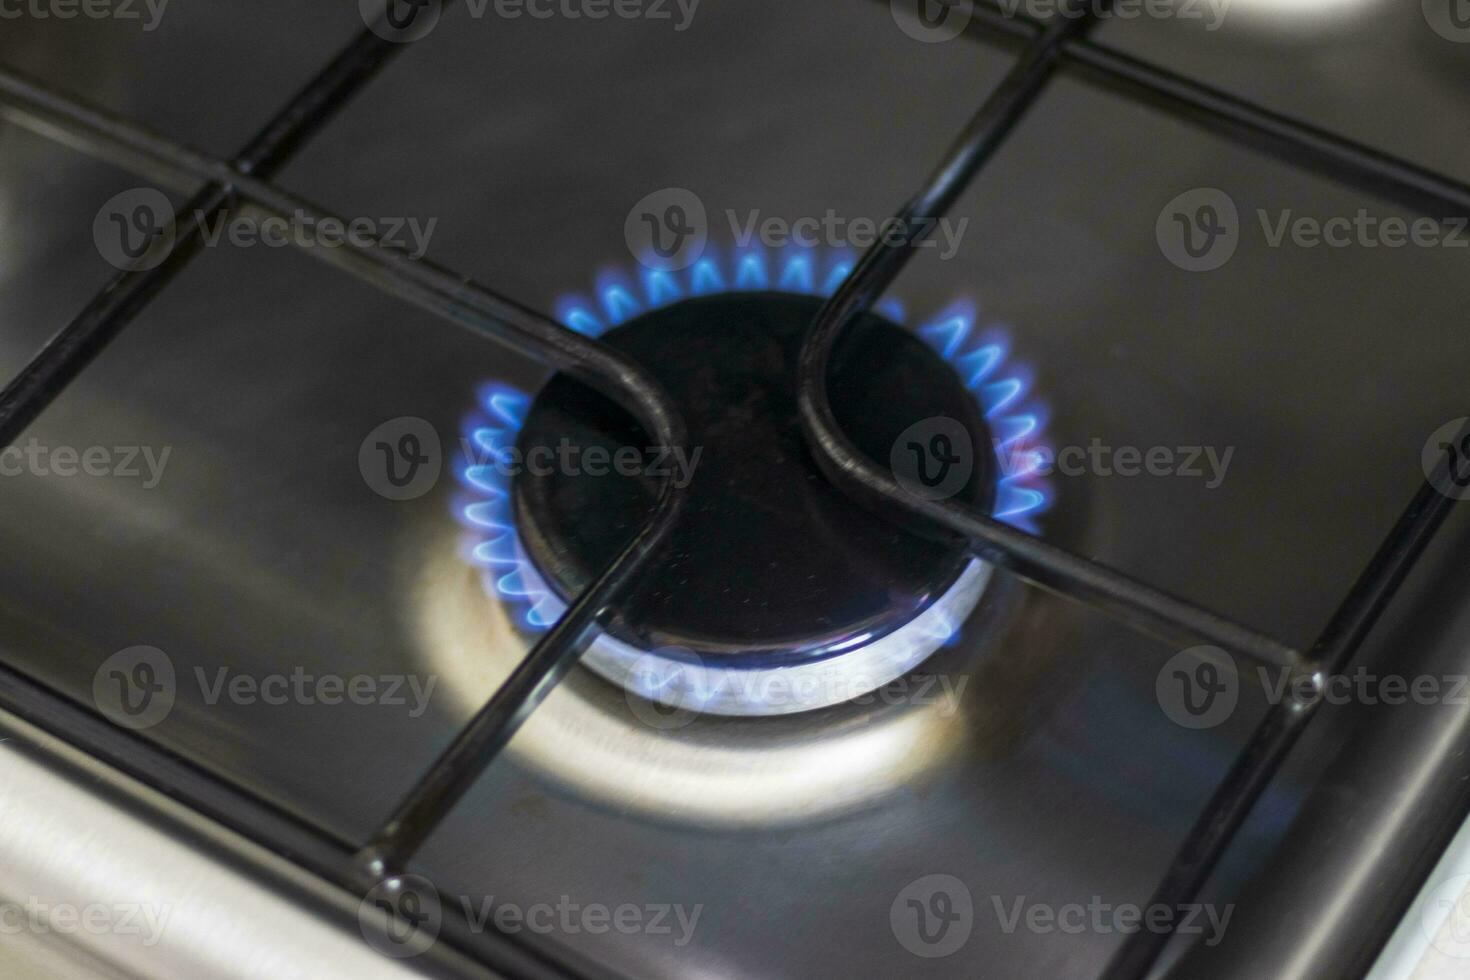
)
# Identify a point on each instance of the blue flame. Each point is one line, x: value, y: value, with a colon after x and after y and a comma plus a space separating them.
x: 485, y: 472
x: 1002, y: 388
x: 1017, y: 421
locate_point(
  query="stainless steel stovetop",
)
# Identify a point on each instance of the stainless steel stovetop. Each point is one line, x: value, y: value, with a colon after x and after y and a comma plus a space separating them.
x: 1053, y: 780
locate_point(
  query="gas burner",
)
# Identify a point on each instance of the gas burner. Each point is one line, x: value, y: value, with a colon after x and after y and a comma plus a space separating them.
x: 779, y: 594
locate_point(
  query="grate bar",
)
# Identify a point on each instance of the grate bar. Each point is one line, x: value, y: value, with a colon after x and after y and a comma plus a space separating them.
x: 464, y: 302
x: 1055, y: 569
x: 251, y: 816
x: 1292, y: 140
x: 467, y: 303
x: 492, y: 728
x: 107, y: 314
x: 1296, y: 142
x: 1360, y: 610
x: 1284, y: 722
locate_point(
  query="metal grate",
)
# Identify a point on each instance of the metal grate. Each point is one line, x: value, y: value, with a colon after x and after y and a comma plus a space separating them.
x: 244, y: 181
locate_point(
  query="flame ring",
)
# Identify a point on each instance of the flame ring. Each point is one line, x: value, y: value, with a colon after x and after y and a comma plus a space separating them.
x: 1001, y: 387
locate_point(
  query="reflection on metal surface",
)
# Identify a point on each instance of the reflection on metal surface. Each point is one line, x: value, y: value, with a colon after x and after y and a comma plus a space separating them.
x: 1296, y: 13
x: 621, y: 750
x: 692, y: 684
x: 142, y: 901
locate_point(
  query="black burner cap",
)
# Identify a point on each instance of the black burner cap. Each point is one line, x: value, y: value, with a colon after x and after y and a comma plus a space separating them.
x: 769, y: 563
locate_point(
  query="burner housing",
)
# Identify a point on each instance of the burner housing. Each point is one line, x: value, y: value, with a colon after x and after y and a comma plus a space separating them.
x: 770, y: 566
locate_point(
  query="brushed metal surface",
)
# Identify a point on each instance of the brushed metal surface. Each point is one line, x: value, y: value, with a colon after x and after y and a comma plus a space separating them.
x: 95, y: 886
x: 261, y: 549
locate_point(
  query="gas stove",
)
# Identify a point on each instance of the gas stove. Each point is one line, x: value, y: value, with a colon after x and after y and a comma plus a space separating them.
x: 788, y: 490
